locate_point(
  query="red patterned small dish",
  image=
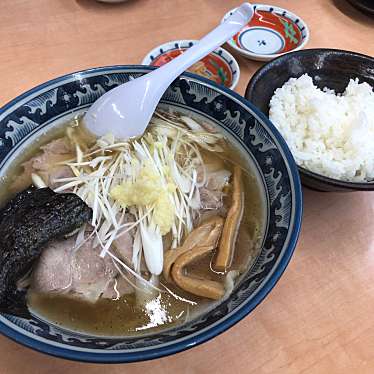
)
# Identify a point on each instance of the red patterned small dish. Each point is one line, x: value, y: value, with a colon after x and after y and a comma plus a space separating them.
x: 272, y: 31
x: 219, y: 66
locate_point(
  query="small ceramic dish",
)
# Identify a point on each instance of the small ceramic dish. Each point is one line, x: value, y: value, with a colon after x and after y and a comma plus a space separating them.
x: 219, y: 66
x: 330, y: 68
x: 271, y: 32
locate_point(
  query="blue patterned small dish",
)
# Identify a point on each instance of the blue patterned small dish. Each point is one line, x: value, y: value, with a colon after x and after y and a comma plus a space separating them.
x: 48, y: 105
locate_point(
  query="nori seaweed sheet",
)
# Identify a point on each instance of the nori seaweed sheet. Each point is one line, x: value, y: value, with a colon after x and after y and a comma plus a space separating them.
x: 27, y: 223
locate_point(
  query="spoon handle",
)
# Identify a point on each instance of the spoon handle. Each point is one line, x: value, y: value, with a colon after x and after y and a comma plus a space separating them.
x: 227, y: 29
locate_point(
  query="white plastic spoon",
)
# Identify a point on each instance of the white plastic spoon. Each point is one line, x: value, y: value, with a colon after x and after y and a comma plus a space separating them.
x: 126, y: 110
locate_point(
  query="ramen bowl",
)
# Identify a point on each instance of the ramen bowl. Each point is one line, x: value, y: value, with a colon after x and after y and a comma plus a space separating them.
x: 28, y: 116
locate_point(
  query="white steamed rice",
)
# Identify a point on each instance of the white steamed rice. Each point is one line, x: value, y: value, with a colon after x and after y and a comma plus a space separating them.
x: 327, y: 133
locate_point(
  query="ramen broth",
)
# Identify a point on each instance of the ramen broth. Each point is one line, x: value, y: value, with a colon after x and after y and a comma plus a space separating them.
x: 126, y: 315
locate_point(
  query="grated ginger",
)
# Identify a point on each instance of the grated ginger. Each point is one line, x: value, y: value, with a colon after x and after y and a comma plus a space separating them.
x: 148, y: 190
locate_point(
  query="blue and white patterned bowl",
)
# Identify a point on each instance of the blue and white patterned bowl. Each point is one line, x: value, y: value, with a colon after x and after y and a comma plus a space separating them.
x: 47, y: 105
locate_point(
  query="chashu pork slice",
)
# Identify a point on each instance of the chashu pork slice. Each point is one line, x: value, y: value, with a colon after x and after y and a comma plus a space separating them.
x: 80, y: 272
